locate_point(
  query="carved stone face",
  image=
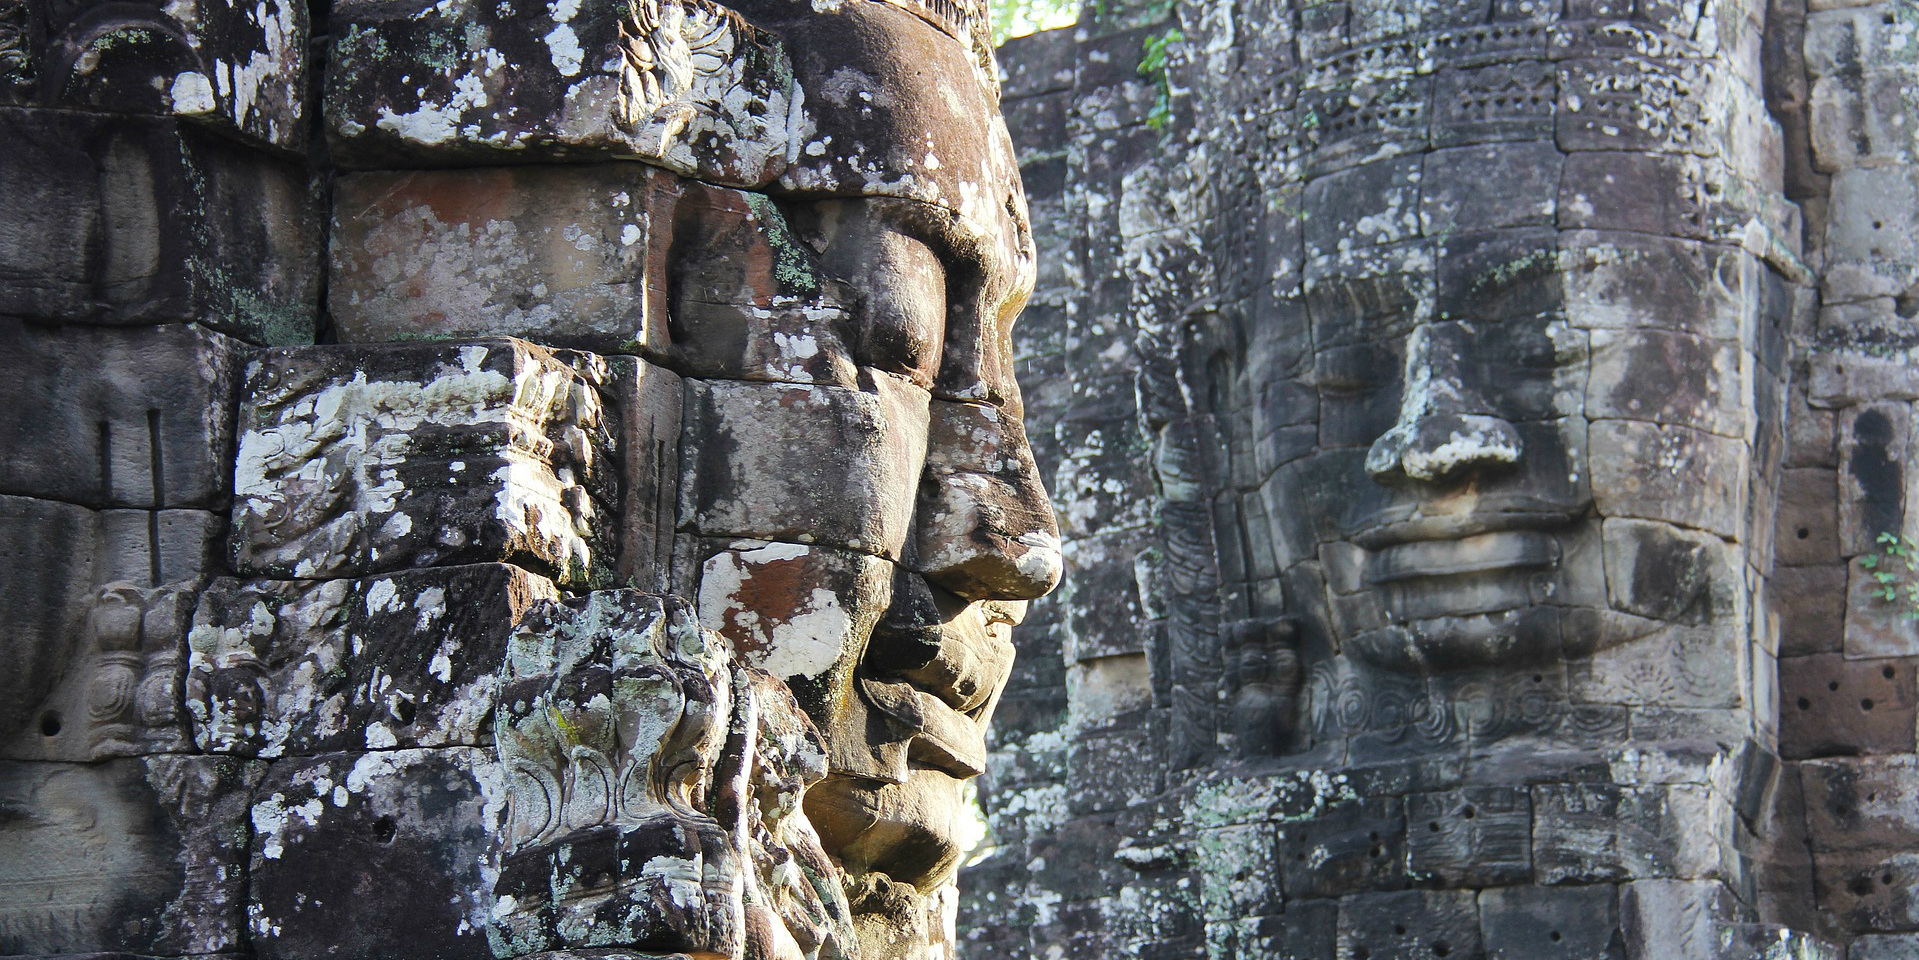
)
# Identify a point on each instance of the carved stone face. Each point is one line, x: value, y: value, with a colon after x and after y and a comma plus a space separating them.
x: 872, y: 528
x: 1508, y: 439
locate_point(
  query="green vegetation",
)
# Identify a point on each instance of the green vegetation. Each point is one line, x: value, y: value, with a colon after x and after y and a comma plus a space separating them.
x: 1017, y: 18
x: 1896, y: 570
x: 1152, y: 66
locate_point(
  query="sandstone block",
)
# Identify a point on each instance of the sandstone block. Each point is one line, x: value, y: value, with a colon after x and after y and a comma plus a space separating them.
x: 819, y: 464
x: 374, y: 854
x: 1617, y: 280
x: 1675, y: 474
x: 1662, y: 572
x: 240, y: 70
x: 1470, y: 837
x: 416, y: 84
x: 1413, y: 923
x: 144, y: 856
x: 1672, y: 378
x: 1550, y: 923
x: 1350, y: 846
x: 1874, y: 440
x: 1833, y: 705
x: 167, y: 225
x: 1241, y: 877
x: 1808, y: 518
x: 47, y: 549
x: 1368, y: 205
x: 360, y: 459
x: 1603, y: 833
x: 1872, y: 233
x: 1878, y: 624
x: 1811, y: 605
x: 1512, y: 101
x: 296, y: 668
x: 1455, y: 194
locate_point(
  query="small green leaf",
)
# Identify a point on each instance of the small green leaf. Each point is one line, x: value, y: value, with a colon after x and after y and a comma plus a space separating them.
x: 1869, y: 561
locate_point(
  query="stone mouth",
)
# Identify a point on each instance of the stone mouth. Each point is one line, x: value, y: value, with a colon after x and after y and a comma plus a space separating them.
x: 1521, y: 515
x: 1472, y: 554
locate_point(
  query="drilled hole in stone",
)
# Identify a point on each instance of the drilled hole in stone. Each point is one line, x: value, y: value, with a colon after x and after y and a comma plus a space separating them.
x: 1376, y: 852
x: 50, y: 724
x: 1861, y: 886
x: 1538, y: 678
x: 1887, y: 672
x: 1865, y: 704
x: 1399, y: 929
x: 1885, y: 879
x: 1802, y: 533
x: 1470, y: 813
x: 384, y: 830
x: 1361, y: 953
x: 1442, y: 948
x: 1433, y: 826
x: 1872, y: 798
x: 1832, y: 685
x: 1805, y: 704
x: 1554, y: 936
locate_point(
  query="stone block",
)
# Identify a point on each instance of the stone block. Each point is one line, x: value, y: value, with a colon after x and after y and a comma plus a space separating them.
x: 1307, y: 930
x: 1676, y: 474
x: 1456, y: 194
x: 1810, y: 603
x: 1900, y: 946
x: 237, y: 70
x: 1667, y: 573
x: 1704, y: 667
x: 810, y: 464
x: 1882, y: 618
x: 1605, y: 833
x: 422, y: 84
x: 1874, y: 441
x: 1413, y: 923
x: 1470, y: 837
x: 158, y: 546
x: 1861, y: 804
x: 1872, y: 233
x: 650, y: 402
x: 1632, y: 280
x: 295, y: 668
x: 1808, y: 518
x: 1676, y: 919
x: 1861, y: 119
x: 1368, y: 205
x: 361, y: 459
x: 1550, y: 923
x: 1105, y: 573
x: 1346, y: 847
x: 47, y: 549
x: 1511, y: 101
x: 118, y: 695
x: 389, y: 853
x: 1117, y: 766
x: 1672, y: 378
x: 130, y: 221
x: 615, y: 257
x: 1834, y: 705
x: 796, y: 611
x: 1239, y: 873
x: 144, y: 856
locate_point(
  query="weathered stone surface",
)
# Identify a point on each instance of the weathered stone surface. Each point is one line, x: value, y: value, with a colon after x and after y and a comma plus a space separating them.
x: 239, y: 70
x: 1833, y: 705
x: 685, y: 84
x: 300, y: 667
x: 166, y: 225
x: 371, y: 853
x: 601, y: 697
x: 47, y: 548
x: 360, y: 459
x: 1599, y: 833
x: 138, y: 417
x: 849, y: 484
x: 1521, y: 923
x: 146, y: 856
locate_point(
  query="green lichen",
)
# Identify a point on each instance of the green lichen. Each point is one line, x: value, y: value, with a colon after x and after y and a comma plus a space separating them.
x: 792, y: 266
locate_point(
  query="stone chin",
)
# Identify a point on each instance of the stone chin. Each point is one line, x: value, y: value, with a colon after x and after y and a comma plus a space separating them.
x: 1521, y: 636
x: 907, y: 831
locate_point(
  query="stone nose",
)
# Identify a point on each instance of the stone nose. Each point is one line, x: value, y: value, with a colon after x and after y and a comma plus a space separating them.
x: 984, y: 527
x: 1445, y: 428
x: 1438, y: 447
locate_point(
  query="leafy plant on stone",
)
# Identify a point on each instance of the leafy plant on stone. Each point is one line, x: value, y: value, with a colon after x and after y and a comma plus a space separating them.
x: 1152, y: 66
x: 1895, y: 571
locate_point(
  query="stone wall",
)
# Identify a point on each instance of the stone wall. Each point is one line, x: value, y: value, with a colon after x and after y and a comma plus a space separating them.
x: 1649, y: 254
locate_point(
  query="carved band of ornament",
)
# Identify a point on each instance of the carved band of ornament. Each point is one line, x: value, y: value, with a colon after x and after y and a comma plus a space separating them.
x: 16, y: 55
